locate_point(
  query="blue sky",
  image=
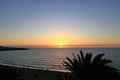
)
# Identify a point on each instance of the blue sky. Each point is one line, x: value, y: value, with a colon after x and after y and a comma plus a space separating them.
x: 25, y: 22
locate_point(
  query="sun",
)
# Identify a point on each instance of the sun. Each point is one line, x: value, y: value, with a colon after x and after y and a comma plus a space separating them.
x: 60, y: 44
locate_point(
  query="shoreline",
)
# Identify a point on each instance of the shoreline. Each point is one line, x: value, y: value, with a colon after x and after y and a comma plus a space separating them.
x: 35, y: 68
x: 37, y: 74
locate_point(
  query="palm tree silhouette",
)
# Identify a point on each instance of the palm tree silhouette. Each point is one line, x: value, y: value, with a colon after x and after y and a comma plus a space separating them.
x: 88, y: 68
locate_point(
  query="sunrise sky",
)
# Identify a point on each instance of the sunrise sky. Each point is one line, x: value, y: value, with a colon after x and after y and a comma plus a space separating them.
x: 76, y: 23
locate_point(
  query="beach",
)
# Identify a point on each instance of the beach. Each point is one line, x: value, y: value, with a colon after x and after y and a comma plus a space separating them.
x: 36, y: 74
x: 32, y: 74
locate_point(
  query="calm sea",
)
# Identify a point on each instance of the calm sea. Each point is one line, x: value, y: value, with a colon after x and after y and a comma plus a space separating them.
x: 52, y: 59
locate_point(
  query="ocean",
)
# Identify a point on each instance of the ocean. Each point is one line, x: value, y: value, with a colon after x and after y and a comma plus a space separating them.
x: 52, y: 58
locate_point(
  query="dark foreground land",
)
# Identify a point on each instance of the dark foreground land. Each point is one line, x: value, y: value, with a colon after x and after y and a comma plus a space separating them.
x: 2, y: 48
x: 28, y: 74
x: 16, y: 73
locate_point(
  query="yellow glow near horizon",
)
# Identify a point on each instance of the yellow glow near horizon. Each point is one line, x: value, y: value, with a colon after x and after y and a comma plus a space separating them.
x: 56, y: 39
x: 61, y: 44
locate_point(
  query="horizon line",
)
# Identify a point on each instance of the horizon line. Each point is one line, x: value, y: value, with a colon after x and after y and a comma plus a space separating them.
x: 70, y: 46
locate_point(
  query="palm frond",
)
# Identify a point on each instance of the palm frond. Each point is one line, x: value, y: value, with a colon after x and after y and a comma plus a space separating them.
x: 88, y: 58
x: 79, y: 58
x: 97, y: 58
x: 104, y: 62
x: 82, y: 56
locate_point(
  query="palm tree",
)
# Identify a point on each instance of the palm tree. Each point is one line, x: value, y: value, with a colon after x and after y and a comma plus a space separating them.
x: 88, y: 68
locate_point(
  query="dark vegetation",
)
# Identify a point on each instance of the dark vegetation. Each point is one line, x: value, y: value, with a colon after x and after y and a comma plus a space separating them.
x: 2, y: 48
x: 88, y: 68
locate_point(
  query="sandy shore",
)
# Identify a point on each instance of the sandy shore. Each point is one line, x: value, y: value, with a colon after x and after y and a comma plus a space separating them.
x: 35, y: 74
x: 32, y: 74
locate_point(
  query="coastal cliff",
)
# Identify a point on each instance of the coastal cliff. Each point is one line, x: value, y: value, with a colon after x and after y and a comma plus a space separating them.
x: 2, y: 48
